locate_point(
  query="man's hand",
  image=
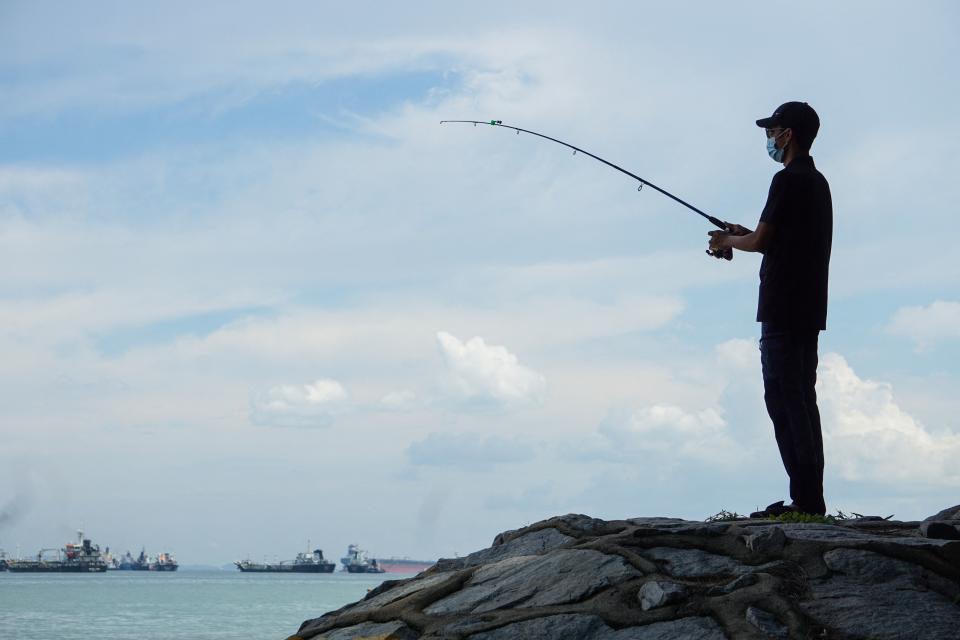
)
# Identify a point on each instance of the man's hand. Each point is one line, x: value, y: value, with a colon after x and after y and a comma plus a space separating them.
x: 720, y: 245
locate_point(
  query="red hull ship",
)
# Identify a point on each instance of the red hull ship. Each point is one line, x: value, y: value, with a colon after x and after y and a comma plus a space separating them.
x: 404, y: 565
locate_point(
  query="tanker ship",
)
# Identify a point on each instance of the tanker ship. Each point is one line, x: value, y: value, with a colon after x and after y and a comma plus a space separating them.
x: 79, y: 557
x: 305, y: 562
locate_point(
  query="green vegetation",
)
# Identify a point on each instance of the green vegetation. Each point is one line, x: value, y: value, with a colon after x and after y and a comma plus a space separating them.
x: 807, y: 518
x: 729, y: 516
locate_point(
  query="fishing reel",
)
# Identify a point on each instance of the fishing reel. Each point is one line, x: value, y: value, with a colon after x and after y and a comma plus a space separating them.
x: 726, y: 254
x: 726, y: 229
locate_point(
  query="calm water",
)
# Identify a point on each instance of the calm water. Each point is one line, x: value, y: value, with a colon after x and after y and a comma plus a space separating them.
x: 196, y: 605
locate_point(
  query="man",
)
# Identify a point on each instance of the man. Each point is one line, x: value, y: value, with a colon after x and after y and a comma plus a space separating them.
x: 794, y: 235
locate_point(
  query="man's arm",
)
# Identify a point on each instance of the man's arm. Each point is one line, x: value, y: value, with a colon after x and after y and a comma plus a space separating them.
x: 742, y: 238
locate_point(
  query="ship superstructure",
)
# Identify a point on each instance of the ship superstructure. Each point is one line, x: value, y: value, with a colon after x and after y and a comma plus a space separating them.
x: 143, y: 562
x: 356, y: 561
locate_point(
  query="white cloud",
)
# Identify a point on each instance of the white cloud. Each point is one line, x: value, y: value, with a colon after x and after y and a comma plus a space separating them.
x: 482, y: 374
x: 738, y: 353
x: 308, y: 405
x: 672, y: 431
x: 868, y: 437
x: 926, y: 325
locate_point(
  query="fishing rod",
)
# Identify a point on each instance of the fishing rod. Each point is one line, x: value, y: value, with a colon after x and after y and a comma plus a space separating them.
x: 643, y: 182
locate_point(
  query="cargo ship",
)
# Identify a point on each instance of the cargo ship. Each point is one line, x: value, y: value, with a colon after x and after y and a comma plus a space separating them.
x: 356, y: 561
x: 3, y: 560
x: 79, y: 557
x: 162, y: 562
x: 305, y: 562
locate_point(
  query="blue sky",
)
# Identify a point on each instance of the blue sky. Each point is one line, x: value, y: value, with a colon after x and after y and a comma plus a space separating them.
x: 245, y: 266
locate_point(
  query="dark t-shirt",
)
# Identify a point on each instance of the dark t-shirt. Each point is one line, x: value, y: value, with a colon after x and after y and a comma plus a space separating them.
x: 796, y: 261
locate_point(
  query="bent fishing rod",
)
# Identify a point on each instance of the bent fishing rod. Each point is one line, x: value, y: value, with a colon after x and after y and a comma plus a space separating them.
x: 643, y: 182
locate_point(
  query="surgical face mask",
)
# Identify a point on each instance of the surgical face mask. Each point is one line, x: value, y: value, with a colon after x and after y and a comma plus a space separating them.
x: 772, y: 151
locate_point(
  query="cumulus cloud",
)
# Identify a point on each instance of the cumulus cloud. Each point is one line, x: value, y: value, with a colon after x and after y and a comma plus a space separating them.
x: 467, y: 451
x: 867, y: 436
x: 306, y: 405
x: 926, y: 325
x: 481, y: 374
x: 738, y: 354
x: 672, y: 431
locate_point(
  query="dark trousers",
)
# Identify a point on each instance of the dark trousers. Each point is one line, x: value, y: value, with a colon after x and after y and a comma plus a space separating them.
x: 789, y: 362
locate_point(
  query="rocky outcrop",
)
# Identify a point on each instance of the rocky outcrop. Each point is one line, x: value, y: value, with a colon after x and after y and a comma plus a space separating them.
x: 663, y: 579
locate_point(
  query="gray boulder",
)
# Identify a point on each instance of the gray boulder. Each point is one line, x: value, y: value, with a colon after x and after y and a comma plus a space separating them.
x: 524, y: 582
x: 950, y: 513
x: 666, y: 579
x: 657, y: 593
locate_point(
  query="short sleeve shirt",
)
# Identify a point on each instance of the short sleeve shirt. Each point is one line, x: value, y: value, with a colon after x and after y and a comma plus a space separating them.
x: 796, y: 261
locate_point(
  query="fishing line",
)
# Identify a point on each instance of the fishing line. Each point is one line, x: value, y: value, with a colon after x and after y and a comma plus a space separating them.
x: 643, y: 181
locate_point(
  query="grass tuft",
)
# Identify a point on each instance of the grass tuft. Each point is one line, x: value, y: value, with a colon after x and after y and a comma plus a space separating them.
x: 725, y: 516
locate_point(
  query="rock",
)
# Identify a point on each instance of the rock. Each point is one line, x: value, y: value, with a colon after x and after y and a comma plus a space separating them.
x: 769, y: 540
x: 585, y: 627
x: 662, y: 526
x: 562, y: 626
x: 372, y: 631
x: 940, y: 530
x: 950, y: 513
x: 884, y: 598
x: 872, y: 569
x: 844, y: 536
x: 533, y: 543
x: 662, y: 578
x: 767, y: 623
x: 882, y: 612
x: 658, y: 593
x: 401, y: 590
x: 701, y: 628
x: 536, y: 581
x: 694, y: 563
x: 746, y: 580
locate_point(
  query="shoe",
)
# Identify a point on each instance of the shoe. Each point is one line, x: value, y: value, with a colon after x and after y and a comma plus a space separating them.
x: 774, y: 510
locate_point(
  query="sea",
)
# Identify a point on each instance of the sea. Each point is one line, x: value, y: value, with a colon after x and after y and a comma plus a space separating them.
x: 181, y: 605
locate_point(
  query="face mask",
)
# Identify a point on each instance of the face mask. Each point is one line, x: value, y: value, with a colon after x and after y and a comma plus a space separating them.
x: 772, y: 151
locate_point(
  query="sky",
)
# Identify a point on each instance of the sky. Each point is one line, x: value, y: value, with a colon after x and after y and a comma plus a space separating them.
x: 254, y: 294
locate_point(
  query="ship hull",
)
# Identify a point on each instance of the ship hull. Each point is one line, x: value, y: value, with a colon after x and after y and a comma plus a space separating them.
x: 283, y: 568
x: 363, y: 569
x: 404, y: 566
x: 56, y: 567
x: 148, y: 567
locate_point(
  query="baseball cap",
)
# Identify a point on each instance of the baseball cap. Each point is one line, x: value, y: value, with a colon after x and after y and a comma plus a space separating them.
x: 798, y: 116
